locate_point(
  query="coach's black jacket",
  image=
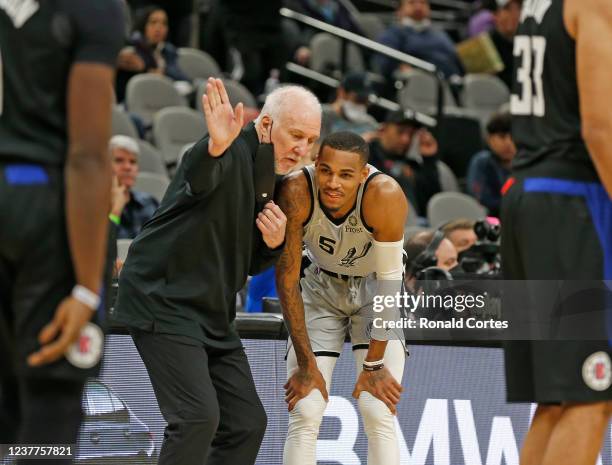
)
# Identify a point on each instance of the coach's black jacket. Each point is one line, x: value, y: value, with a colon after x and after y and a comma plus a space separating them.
x: 184, y: 269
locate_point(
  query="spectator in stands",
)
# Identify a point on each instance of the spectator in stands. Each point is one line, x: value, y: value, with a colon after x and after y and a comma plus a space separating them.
x: 389, y: 153
x: 349, y: 112
x: 416, y: 36
x: 148, y: 51
x: 179, y: 17
x: 490, y: 168
x: 130, y: 209
x: 506, y: 15
x: 461, y: 233
x: 332, y: 12
x: 428, y: 249
x: 256, y: 37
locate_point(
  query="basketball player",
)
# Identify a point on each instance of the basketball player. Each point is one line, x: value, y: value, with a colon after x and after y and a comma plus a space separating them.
x: 57, y: 63
x: 350, y: 217
x: 563, y: 173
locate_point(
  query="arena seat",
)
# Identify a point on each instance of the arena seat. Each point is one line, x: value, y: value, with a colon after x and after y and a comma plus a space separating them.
x: 447, y: 206
x: 235, y: 91
x: 148, y: 93
x: 420, y: 92
x: 122, y: 248
x: 152, y: 183
x: 325, y: 57
x: 484, y: 94
x: 173, y: 127
x: 150, y: 159
x: 371, y: 24
x: 197, y: 64
x: 121, y: 123
x: 448, y: 180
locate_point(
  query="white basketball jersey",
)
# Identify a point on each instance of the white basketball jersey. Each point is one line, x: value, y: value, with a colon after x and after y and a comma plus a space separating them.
x: 342, y: 245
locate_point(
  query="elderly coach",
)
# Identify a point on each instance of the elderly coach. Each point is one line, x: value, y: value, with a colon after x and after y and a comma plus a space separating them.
x: 178, y: 285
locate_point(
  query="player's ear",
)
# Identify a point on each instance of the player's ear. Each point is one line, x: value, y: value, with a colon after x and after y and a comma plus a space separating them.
x: 364, y: 172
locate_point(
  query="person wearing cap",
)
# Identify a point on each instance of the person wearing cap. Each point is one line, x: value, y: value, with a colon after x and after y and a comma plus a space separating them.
x: 389, y: 153
x: 349, y: 112
x: 130, y: 209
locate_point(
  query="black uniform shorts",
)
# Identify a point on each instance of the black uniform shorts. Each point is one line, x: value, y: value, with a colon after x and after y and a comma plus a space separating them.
x: 36, y: 271
x: 557, y: 229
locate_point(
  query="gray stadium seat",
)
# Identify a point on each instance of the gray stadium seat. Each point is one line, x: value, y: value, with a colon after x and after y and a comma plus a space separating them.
x: 146, y: 94
x: 198, y: 64
x: 121, y: 123
x: 325, y: 50
x: 150, y: 160
x: 420, y: 92
x: 484, y: 94
x: 122, y: 248
x: 371, y: 24
x: 235, y: 91
x: 448, y: 206
x: 154, y: 184
x: 174, y: 127
x: 448, y: 180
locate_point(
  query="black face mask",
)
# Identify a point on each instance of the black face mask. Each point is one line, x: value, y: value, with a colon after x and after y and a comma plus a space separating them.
x: 263, y: 174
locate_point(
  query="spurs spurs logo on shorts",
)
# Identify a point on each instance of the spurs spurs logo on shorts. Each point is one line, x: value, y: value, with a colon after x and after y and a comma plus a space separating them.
x: 87, y: 349
x: 597, y: 371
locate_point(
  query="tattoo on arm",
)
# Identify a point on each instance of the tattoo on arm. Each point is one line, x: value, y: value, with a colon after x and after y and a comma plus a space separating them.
x: 293, y: 201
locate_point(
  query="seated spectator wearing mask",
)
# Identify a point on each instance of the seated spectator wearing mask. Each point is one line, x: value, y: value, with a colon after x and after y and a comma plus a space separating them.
x: 130, y: 209
x: 349, y: 112
x: 461, y: 233
x: 148, y: 51
x: 389, y: 153
x: 490, y: 168
x: 416, y: 36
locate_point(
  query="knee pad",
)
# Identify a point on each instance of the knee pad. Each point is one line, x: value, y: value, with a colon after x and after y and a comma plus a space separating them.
x: 309, y: 410
x: 374, y: 412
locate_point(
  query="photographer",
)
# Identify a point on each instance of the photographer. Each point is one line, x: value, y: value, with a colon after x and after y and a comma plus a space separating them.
x: 428, y: 251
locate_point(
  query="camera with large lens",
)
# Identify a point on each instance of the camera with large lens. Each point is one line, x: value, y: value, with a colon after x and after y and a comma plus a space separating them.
x: 483, y: 258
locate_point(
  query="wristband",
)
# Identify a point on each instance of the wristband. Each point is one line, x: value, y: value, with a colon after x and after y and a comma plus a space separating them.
x: 372, y: 364
x: 86, y: 297
x: 115, y: 219
x: 373, y: 368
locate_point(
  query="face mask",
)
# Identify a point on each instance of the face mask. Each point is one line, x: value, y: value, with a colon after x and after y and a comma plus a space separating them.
x: 416, y: 25
x: 355, y: 112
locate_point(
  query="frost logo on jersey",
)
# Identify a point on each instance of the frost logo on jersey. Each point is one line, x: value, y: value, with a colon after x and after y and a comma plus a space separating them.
x: 597, y: 371
x: 87, y: 350
x: 351, y: 226
x: 351, y: 256
x: 19, y: 10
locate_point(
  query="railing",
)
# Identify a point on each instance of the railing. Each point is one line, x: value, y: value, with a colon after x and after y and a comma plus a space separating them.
x: 372, y: 45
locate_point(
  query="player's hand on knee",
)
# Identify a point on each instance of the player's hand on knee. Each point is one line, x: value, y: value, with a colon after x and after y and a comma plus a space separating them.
x: 301, y: 383
x: 57, y: 336
x: 382, y: 385
x: 224, y: 123
x: 271, y: 221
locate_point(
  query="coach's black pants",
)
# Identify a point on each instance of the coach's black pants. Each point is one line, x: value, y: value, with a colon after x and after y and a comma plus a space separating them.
x: 208, y: 398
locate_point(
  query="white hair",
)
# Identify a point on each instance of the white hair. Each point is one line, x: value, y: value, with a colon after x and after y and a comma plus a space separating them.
x: 125, y: 143
x: 284, y: 98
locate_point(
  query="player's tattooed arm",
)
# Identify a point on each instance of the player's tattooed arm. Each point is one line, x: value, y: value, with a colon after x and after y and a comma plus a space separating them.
x: 294, y: 200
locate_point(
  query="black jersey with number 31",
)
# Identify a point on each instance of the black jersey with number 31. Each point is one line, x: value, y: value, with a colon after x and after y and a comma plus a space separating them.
x: 544, y: 102
x: 39, y: 42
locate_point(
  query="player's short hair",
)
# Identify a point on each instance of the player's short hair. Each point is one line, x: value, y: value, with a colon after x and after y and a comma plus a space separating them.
x: 457, y: 225
x: 347, y: 141
x: 500, y: 123
x: 125, y: 143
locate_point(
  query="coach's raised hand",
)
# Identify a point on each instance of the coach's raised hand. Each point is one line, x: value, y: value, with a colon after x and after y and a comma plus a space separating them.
x: 224, y: 123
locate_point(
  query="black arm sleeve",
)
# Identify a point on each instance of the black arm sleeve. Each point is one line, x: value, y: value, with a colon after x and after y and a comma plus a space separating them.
x: 204, y: 172
x: 99, y: 29
x: 427, y: 182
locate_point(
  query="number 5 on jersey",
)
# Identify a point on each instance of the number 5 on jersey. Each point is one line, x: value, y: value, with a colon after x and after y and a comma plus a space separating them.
x: 529, y: 76
x: 327, y: 244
